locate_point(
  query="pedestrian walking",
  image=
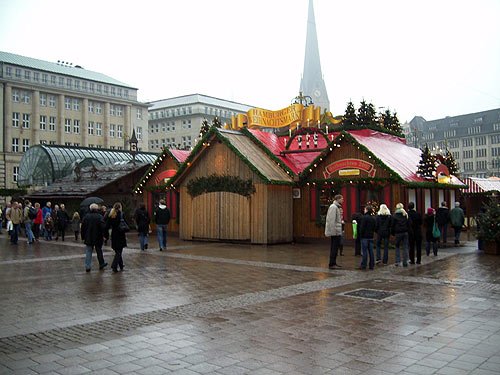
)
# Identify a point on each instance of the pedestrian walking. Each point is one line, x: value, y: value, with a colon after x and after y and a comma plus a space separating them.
x: 142, y: 220
x: 443, y: 218
x: 384, y: 223
x: 29, y: 214
x: 400, y: 229
x: 37, y: 222
x: 118, y: 238
x: 47, y: 209
x: 356, y: 221
x: 75, y: 224
x: 415, y: 234
x: 430, y: 239
x: 62, y: 221
x: 14, y: 216
x: 162, y: 218
x: 333, y: 229
x: 457, y: 220
x: 366, y: 232
x: 48, y: 225
x: 55, y: 226
x: 93, y: 235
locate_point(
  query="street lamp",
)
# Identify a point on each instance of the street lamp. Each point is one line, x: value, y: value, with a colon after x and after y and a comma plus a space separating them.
x: 305, y: 100
x: 133, y: 146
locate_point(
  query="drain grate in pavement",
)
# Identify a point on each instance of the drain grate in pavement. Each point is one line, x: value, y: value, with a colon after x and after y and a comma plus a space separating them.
x: 378, y: 295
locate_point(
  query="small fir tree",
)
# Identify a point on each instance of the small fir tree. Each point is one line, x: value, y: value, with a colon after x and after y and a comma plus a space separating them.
x: 488, y: 221
x: 427, y: 164
x: 366, y: 114
x: 216, y: 122
x: 451, y: 163
x: 396, y: 125
x: 386, y: 119
x: 350, y: 117
x: 205, y: 127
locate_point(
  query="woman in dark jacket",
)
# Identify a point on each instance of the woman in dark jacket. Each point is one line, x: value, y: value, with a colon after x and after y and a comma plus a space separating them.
x: 384, y: 223
x: 118, y: 238
x: 429, y: 237
x: 142, y: 220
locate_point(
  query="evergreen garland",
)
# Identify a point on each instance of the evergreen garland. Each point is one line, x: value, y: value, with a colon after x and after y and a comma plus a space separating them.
x: 212, y: 183
x: 427, y: 165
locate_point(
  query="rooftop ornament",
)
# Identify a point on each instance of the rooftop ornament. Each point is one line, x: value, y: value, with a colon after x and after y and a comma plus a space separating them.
x: 305, y: 100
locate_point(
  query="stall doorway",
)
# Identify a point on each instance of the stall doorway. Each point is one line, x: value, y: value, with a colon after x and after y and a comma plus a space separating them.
x: 221, y: 216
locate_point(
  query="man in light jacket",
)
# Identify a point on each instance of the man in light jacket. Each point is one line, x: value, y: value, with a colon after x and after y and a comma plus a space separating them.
x: 333, y: 229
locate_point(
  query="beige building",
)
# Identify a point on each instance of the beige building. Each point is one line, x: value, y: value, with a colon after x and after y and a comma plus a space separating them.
x: 176, y: 122
x: 60, y: 104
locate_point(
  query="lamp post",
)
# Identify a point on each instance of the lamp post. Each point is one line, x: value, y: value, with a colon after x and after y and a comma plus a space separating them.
x: 133, y: 146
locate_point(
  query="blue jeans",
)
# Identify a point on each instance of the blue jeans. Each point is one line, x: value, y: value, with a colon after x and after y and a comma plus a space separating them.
x: 384, y: 239
x: 143, y: 239
x: 88, y: 256
x: 367, y: 249
x: 161, y: 232
x: 402, y: 239
x: 29, y: 231
x: 444, y: 232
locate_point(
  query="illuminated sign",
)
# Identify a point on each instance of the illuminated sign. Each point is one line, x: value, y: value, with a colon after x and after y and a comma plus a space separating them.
x: 349, y: 164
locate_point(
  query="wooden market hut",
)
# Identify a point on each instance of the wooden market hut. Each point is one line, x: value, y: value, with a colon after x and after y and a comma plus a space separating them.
x: 233, y: 190
x: 479, y: 191
x: 154, y: 184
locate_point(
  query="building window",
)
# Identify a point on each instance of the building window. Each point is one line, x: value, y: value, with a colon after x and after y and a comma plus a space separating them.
x: 69, y: 83
x: 45, y: 78
x: 113, y: 91
x: 53, y: 80
x: 119, y: 91
x: 27, y: 75
x: 61, y: 81
x: 15, y: 174
x: 481, y: 153
x: 426, y: 136
x: 67, y: 103
x: 77, y: 84
x: 481, y: 164
x: 119, y: 110
x: 138, y: 133
x: 480, y: 141
x: 43, y: 100
x: 52, y: 101
x: 98, y: 108
x: 15, y: 119
x: 91, y: 106
x: 98, y: 129
x: 91, y: 84
x: 454, y: 143
x: 111, y: 110
x: 467, y: 154
x: 495, y: 139
x: 67, y: 143
x: 67, y: 125
x: 474, y: 129
x: 18, y: 73
x: 52, y: 123
x: 119, y: 131
x: 8, y: 71
x: 125, y: 93
x: 139, y: 113
x: 15, y: 144
x: 76, y: 104
x: 496, y: 126
x: 495, y: 151
x: 99, y: 88
x: 26, y: 97
x: 43, y: 122
x: 456, y: 154
x: 26, y: 120
x: 84, y: 85
x: 450, y: 133
x: 26, y: 144
x: 467, y: 142
x: 478, y: 120
x: 91, y: 128
x: 15, y: 96
x: 106, y: 89
x: 76, y: 126
x: 112, y: 128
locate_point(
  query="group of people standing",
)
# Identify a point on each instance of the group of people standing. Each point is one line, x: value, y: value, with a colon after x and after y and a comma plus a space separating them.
x: 404, y: 226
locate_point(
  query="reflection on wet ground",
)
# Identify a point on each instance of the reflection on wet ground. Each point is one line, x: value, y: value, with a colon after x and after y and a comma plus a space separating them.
x: 235, y: 309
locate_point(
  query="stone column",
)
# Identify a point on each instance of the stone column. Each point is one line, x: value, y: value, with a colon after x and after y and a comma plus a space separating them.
x: 35, y: 121
x: 83, y: 126
x: 127, y: 127
x: 105, y: 125
x: 61, y: 112
x: 8, y: 118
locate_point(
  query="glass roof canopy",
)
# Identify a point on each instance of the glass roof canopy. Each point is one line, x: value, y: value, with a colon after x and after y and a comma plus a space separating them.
x: 43, y: 164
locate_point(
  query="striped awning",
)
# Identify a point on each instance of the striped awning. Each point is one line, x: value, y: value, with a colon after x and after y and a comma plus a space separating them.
x: 481, y: 185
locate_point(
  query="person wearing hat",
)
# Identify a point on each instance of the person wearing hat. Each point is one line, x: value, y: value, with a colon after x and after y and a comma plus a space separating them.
x: 457, y: 219
x: 429, y: 221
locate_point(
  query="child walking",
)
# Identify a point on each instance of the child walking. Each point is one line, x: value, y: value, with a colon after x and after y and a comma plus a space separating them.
x: 75, y: 225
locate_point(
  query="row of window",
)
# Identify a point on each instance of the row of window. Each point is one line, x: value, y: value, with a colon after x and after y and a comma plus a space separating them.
x: 480, y: 165
x: 72, y: 126
x: 186, y: 141
x: 182, y: 111
x: 66, y: 82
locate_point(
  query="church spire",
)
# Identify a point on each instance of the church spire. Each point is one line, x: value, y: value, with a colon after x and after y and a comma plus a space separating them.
x: 312, y: 82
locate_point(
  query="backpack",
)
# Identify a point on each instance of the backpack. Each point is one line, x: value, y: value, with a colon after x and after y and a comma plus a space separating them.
x: 32, y: 213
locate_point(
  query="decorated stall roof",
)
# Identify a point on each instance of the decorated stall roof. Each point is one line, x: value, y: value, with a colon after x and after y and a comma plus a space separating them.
x: 271, y: 171
x: 481, y: 185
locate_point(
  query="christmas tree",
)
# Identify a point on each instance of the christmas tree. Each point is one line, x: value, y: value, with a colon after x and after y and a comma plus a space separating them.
x: 350, y: 117
x: 366, y: 114
x: 451, y: 163
x: 488, y: 221
x: 205, y: 127
x: 396, y: 125
x: 427, y: 164
x: 216, y: 122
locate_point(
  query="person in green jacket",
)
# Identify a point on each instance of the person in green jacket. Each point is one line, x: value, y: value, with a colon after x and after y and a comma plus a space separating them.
x: 457, y: 220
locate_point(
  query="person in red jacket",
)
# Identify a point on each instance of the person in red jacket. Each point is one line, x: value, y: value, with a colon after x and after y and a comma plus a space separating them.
x: 37, y: 221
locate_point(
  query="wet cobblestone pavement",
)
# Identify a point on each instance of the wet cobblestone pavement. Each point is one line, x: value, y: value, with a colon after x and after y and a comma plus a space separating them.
x: 208, y: 308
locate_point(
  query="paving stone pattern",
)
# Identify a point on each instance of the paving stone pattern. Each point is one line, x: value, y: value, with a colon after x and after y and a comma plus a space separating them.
x: 205, y: 308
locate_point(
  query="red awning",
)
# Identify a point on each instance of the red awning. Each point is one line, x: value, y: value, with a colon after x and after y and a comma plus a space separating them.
x: 164, y: 176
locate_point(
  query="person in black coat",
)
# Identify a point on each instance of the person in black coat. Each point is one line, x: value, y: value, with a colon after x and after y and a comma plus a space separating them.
x: 415, y: 234
x: 429, y: 220
x: 142, y: 220
x: 358, y: 217
x: 118, y: 238
x: 366, y: 233
x: 384, y: 223
x: 443, y: 218
x: 92, y: 235
x: 62, y: 221
x: 162, y: 218
x: 400, y: 229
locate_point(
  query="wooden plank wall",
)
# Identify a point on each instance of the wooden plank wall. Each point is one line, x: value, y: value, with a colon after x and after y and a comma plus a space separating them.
x: 259, y: 217
x: 279, y: 214
x: 205, y: 216
x: 234, y: 214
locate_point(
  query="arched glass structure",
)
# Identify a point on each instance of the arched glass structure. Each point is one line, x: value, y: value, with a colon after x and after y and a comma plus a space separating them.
x: 43, y: 164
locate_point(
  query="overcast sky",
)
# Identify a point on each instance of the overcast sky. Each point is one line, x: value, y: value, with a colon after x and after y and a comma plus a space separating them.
x: 432, y: 58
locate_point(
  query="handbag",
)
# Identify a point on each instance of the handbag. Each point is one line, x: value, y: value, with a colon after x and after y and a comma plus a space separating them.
x: 436, y: 233
x: 123, y: 226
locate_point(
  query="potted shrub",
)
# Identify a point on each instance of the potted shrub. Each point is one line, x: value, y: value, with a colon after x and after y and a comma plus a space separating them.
x: 488, y: 223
